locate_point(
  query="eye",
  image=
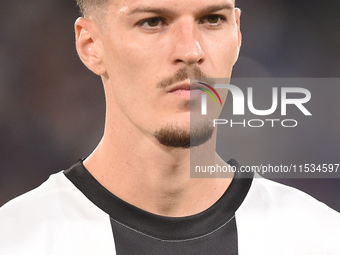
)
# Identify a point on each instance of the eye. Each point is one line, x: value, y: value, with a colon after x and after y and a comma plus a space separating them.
x: 152, y: 23
x: 213, y: 20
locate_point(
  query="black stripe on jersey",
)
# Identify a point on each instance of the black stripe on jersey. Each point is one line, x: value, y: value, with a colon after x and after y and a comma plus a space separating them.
x: 135, y: 230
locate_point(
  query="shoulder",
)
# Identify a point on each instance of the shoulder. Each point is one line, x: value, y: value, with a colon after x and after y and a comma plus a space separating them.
x: 51, y: 215
x: 37, y: 200
x: 288, y: 219
x: 46, y: 200
x: 269, y: 195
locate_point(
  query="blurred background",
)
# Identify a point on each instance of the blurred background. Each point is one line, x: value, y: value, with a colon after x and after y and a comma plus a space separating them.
x: 52, y: 107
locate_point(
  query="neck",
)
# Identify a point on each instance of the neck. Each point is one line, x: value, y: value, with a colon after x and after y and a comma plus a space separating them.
x: 160, y: 175
x: 148, y: 175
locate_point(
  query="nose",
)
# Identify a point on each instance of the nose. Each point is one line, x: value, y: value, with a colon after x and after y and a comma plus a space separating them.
x: 187, y: 48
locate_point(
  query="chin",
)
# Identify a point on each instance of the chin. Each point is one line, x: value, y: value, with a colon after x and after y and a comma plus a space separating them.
x: 173, y: 136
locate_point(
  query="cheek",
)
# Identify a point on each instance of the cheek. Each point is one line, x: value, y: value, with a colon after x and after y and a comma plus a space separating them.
x: 223, y: 60
x: 132, y: 77
x: 229, y: 50
x: 133, y: 48
x: 221, y: 52
x: 133, y: 59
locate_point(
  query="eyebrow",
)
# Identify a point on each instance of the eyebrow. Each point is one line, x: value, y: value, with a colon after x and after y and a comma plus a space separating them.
x: 212, y: 8
x: 150, y: 9
x: 215, y: 8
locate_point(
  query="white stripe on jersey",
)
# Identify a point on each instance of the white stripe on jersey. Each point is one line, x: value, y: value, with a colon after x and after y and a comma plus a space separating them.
x: 55, y: 218
x: 277, y: 219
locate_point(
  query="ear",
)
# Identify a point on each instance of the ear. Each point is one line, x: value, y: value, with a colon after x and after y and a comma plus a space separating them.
x: 237, y: 17
x: 89, y: 45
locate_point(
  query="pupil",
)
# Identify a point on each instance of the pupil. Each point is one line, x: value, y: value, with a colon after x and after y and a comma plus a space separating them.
x: 213, y: 19
x: 153, y: 22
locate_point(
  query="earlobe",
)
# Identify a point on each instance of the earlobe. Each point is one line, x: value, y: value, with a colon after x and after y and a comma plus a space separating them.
x: 88, y: 44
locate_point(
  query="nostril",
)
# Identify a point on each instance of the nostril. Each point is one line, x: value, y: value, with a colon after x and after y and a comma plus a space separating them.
x: 188, y: 50
x: 191, y: 61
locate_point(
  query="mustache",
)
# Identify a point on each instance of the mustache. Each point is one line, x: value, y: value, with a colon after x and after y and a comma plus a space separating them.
x: 181, y: 75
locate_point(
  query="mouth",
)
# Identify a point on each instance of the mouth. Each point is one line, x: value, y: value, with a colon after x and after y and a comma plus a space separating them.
x: 186, y: 90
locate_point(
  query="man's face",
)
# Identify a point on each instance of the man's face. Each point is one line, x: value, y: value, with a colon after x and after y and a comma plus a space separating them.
x: 151, y: 48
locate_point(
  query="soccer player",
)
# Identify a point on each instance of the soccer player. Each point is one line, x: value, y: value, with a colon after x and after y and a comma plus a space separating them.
x: 134, y: 194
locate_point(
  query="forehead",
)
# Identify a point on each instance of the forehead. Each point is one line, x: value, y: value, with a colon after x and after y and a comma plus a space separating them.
x: 132, y: 6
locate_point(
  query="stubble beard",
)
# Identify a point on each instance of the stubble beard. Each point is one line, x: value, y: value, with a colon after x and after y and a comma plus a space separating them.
x: 175, y: 137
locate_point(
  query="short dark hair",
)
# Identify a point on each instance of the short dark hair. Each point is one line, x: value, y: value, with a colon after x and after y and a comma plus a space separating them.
x: 88, y: 6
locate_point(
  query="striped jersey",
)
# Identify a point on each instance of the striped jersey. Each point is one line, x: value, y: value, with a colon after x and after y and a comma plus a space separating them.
x: 72, y: 213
